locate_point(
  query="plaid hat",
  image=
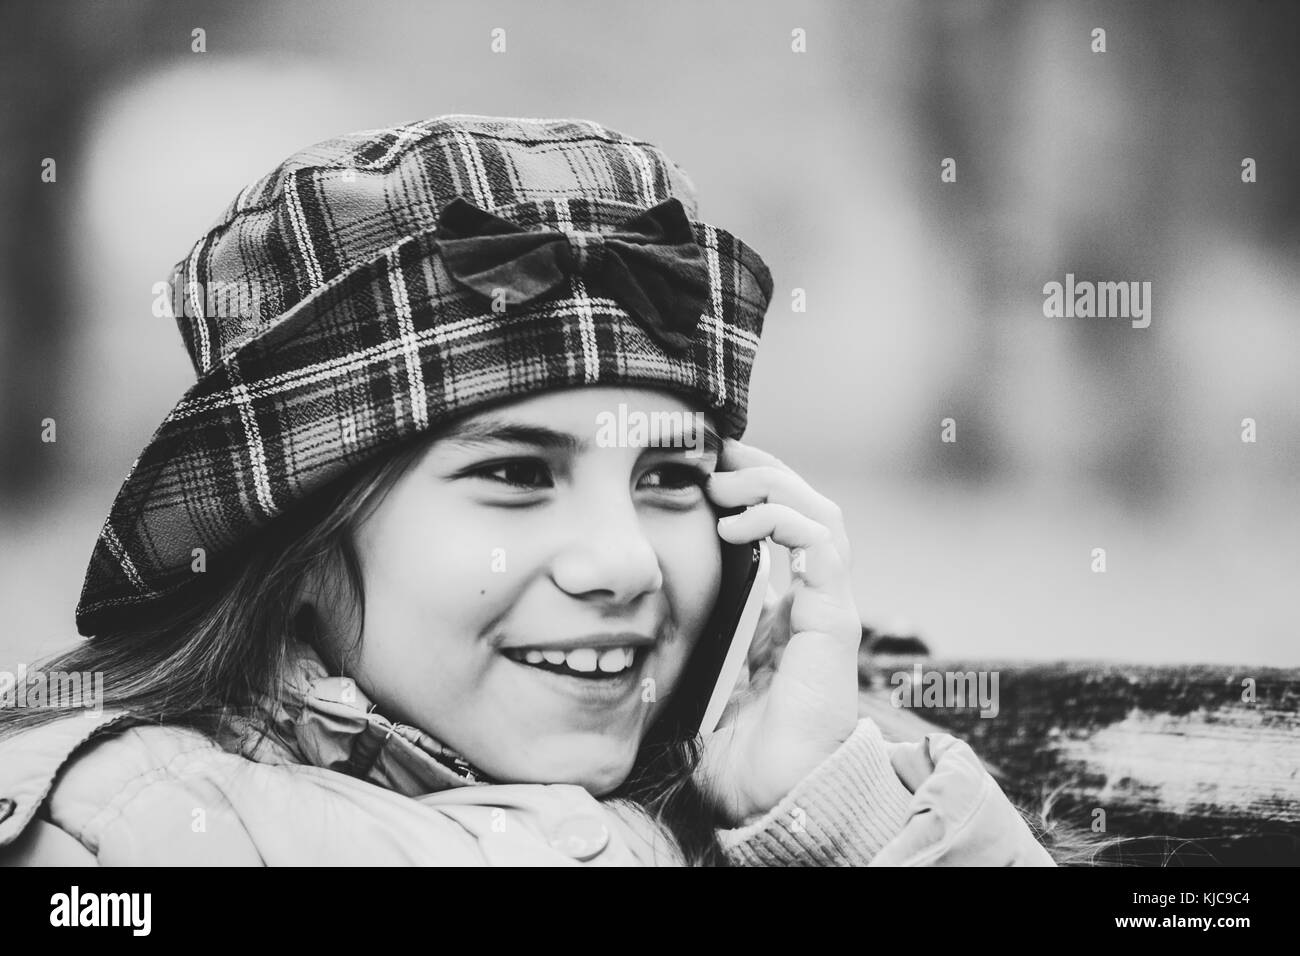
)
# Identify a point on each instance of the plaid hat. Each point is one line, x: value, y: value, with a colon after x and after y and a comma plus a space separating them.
x: 381, y: 283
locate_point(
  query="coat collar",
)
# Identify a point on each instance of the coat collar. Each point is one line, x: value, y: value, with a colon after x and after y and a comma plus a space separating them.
x: 327, y: 721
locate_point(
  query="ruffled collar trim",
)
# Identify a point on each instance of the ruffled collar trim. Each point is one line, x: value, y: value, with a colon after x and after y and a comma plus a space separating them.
x: 327, y: 721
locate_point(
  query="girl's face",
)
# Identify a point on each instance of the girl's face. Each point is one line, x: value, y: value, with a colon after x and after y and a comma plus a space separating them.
x: 532, y: 593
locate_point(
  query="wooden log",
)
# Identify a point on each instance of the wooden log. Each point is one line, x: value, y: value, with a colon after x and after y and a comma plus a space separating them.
x: 1201, y: 763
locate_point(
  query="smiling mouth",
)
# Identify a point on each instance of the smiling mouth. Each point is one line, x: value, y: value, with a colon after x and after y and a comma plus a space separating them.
x: 586, y: 662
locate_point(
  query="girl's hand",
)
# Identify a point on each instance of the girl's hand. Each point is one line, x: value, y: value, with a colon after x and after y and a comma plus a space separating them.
x: 802, y: 702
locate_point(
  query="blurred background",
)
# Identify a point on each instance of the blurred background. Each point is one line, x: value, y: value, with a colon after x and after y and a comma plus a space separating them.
x: 924, y: 298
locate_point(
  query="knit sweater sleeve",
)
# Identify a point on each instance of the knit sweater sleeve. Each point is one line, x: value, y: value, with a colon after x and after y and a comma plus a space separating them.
x: 841, y: 814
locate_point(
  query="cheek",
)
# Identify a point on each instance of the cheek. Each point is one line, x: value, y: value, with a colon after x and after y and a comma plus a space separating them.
x: 421, y: 559
x: 431, y: 593
x: 431, y: 551
x: 690, y: 554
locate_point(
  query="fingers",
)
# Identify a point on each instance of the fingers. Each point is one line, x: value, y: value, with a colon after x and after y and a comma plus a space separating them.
x: 782, y: 506
x: 819, y: 563
x: 760, y: 477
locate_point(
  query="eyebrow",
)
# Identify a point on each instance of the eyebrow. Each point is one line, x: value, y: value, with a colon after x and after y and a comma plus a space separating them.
x: 484, y: 431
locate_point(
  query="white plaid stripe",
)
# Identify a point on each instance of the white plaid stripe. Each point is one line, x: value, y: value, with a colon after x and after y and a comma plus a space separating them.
x: 645, y: 174
x: 253, y: 437
x: 474, y: 165
x: 586, y: 322
x: 741, y: 340
x: 409, y: 343
x: 406, y: 134
x: 715, y: 289
x: 300, y: 232
x: 115, y: 545
x: 200, y: 320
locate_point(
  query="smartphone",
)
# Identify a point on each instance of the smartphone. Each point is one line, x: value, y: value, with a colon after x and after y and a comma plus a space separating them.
x: 745, y: 609
x: 711, y: 673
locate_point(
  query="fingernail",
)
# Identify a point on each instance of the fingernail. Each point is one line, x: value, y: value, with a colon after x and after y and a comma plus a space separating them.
x: 728, y: 519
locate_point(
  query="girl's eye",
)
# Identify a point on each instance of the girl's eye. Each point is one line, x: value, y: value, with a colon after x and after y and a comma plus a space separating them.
x: 533, y: 473
x: 677, y: 478
x: 519, y: 473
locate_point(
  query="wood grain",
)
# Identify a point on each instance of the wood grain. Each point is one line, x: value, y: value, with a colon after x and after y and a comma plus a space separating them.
x: 1179, y: 758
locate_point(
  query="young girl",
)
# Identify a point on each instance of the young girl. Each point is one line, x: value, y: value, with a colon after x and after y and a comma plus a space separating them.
x: 379, y: 591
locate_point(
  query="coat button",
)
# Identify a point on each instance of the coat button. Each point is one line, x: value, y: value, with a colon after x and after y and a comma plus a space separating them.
x: 580, y: 837
x: 6, y: 808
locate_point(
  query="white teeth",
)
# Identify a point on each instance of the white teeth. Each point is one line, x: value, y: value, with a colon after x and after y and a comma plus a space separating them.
x: 583, y: 659
x: 613, y: 660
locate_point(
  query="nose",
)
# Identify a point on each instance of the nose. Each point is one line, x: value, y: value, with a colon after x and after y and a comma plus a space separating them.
x: 607, y: 555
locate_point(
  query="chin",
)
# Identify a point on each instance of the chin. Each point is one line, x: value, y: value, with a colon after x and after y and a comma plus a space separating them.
x: 598, y: 770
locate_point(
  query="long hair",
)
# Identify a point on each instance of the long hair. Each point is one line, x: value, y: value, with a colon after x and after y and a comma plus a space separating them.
x: 221, y: 651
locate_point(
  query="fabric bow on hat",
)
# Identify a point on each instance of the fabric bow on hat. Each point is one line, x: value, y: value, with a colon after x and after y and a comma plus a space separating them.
x: 652, y: 265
